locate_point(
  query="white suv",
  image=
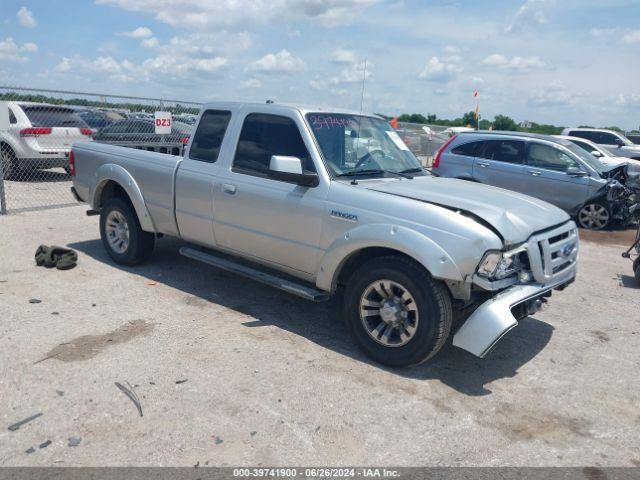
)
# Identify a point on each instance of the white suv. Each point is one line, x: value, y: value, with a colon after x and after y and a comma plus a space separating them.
x: 39, y: 136
x: 615, y: 142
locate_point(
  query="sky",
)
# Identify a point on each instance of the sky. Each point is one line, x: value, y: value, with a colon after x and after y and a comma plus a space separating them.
x: 566, y: 62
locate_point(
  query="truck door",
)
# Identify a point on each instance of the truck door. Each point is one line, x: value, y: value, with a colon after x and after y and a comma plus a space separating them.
x: 196, y: 178
x: 500, y: 163
x: 547, y: 177
x: 271, y: 220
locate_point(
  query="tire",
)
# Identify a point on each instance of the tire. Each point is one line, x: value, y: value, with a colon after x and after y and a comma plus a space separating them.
x: 9, y: 167
x: 427, y: 323
x: 594, y: 216
x: 636, y: 269
x: 121, y: 233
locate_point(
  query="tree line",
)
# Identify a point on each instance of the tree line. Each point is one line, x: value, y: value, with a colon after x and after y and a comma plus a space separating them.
x: 499, y: 122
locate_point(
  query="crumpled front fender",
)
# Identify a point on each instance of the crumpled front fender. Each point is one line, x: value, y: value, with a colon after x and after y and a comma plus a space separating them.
x: 410, y: 242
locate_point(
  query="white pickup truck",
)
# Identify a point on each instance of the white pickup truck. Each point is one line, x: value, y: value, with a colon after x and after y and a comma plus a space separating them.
x: 286, y: 196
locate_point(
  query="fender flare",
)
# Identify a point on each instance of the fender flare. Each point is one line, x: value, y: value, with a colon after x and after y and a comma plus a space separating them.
x: 402, y: 239
x: 116, y: 173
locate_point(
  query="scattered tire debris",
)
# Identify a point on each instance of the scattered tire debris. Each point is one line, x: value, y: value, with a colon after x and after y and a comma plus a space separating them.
x: 17, y: 425
x: 178, y: 382
x: 35, y: 300
x: 45, y: 444
x: 30, y: 450
x: 131, y: 394
x: 217, y: 440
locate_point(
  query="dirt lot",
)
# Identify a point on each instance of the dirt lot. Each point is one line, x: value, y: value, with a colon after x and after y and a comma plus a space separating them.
x: 231, y: 372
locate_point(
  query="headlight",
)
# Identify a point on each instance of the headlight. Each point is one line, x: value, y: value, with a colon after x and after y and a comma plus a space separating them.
x: 496, y: 265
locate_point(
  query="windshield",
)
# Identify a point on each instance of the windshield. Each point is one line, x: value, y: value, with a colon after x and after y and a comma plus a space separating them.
x: 354, y: 143
x: 587, y: 158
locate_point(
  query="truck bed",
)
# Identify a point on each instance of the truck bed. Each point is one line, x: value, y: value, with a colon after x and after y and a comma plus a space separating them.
x: 154, y: 173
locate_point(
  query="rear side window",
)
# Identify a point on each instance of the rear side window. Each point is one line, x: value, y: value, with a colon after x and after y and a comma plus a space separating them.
x: 506, y: 151
x: 466, y: 149
x: 12, y: 117
x: 584, y: 134
x: 265, y: 135
x: 209, y: 134
x: 49, y: 116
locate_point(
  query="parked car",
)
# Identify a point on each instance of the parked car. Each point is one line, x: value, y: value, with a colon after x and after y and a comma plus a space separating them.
x: 39, y: 136
x: 549, y: 168
x: 275, y: 189
x: 451, y: 131
x: 600, y: 153
x: 141, y: 131
x: 615, y: 142
x: 97, y: 119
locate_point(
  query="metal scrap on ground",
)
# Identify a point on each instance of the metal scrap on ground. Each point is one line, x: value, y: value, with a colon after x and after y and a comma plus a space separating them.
x: 131, y: 394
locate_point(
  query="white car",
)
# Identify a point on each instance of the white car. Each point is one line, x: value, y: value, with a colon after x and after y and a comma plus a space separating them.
x: 452, y: 131
x: 39, y: 136
x: 615, y: 142
x: 600, y: 153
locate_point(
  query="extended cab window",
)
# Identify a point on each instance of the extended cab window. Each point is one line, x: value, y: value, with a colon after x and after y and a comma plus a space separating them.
x: 265, y: 135
x: 606, y: 138
x: 506, y: 151
x: 209, y: 134
x: 466, y: 149
x: 550, y: 158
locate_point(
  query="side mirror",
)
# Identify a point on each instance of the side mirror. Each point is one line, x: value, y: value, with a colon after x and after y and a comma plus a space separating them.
x: 289, y: 169
x: 596, y: 153
x: 619, y: 142
x: 576, y: 172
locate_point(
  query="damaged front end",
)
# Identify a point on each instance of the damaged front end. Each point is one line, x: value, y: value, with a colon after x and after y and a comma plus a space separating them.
x: 518, y: 283
x: 621, y: 193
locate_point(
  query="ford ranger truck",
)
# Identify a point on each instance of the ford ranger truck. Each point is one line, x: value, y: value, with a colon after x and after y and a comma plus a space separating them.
x: 318, y: 202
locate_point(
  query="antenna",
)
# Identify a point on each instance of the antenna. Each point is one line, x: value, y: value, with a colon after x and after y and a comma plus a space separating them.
x: 364, y: 78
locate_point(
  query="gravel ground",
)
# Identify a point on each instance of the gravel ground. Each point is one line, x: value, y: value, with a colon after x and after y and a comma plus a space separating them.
x: 230, y: 372
x: 38, y: 189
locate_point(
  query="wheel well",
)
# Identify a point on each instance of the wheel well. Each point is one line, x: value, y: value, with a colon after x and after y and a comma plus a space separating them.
x: 110, y: 190
x: 359, y: 258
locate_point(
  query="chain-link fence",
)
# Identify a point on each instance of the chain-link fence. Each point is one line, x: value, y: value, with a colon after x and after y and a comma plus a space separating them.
x: 38, y: 128
x: 423, y: 140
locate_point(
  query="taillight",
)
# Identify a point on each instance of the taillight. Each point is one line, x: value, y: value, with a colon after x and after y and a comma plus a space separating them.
x: 86, y: 131
x: 35, y: 131
x: 436, y: 159
x: 72, y: 164
x: 184, y: 140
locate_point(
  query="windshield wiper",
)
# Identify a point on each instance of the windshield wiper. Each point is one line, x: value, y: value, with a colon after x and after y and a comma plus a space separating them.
x: 374, y: 171
x: 412, y: 170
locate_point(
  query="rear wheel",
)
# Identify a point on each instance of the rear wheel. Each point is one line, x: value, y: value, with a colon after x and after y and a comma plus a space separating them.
x: 9, y: 166
x: 594, y: 216
x: 121, y: 233
x: 397, y: 314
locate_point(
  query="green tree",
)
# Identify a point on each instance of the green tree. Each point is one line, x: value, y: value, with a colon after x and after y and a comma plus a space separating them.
x: 469, y: 118
x: 502, y: 122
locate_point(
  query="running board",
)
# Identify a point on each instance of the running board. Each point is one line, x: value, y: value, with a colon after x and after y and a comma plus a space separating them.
x: 303, y: 291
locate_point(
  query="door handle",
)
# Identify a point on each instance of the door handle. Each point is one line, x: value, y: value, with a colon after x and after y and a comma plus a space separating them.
x: 484, y: 164
x: 228, y: 188
x: 534, y: 173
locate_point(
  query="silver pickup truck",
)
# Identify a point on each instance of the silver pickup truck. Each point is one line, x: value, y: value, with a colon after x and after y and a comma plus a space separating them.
x: 318, y: 202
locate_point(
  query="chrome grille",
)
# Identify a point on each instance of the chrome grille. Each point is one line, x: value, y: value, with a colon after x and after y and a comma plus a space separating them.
x: 553, y: 252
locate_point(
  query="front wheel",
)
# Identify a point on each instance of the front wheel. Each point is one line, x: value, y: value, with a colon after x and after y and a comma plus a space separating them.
x: 121, y: 233
x: 397, y: 314
x: 594, y: 216
x: 636, y: 269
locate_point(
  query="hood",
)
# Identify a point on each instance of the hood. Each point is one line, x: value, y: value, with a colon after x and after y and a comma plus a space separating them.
x: 515, y: 216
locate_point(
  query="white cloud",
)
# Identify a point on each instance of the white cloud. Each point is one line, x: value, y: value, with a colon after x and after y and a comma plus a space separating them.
x: 602, y: 32
x: 139, y: 33
x: 9, y: 50
x: 629, y: 100
x: 516, y: 63
x: 352, y: 74
x: 281, y: 63
x: 64, y: 66
x: 25, y: 18
x: 341, y: 55
x: 632, y: 37
x: 251, y: 83
x: 556, y: 94
x: 208, y: 14
x: 150, y: 42
x: 438, y: 71
x: 532, y: 12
